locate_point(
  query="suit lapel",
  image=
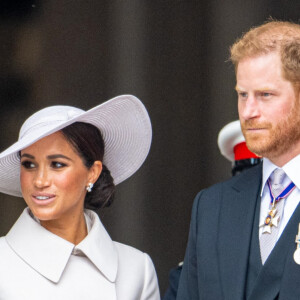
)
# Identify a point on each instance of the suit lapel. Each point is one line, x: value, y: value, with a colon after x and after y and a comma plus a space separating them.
x: 235, y: 228
x: 280, y: 272
x: 290, y: 284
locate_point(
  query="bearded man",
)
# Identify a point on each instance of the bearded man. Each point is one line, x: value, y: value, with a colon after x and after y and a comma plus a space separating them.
x: 244, y: 240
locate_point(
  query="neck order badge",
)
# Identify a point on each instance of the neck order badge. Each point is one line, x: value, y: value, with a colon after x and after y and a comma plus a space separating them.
x: 272, y: 218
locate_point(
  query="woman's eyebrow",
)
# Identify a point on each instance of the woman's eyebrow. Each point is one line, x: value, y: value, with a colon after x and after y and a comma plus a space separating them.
x: 27, y: 155
x: 54, y: 156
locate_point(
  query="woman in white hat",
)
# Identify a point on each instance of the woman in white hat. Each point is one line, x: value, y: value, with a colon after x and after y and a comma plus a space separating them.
x: 65, y: 165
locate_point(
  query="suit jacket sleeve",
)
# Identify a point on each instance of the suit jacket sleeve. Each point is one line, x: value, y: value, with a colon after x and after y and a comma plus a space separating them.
x: 174, y: 276
x: 188, y: 284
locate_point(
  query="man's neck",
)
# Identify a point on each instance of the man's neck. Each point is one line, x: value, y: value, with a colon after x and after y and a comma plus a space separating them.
x: 281, y: 160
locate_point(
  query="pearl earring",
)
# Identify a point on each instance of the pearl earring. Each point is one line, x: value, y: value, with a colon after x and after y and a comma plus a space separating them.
x: 89, y: 187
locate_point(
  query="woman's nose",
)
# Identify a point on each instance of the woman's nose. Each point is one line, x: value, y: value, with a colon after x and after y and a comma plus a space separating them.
x: 42, y: 179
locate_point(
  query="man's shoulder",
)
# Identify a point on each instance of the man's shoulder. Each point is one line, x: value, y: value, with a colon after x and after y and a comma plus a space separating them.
x: 246, y: 176
x: 246, y: 180
x: 245, y: 185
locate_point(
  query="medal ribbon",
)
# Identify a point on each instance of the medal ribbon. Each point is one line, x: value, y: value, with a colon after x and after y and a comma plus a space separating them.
x: 283, y: 194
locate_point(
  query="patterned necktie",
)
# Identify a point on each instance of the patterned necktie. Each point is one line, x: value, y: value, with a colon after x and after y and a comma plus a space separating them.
x: 268, y: 240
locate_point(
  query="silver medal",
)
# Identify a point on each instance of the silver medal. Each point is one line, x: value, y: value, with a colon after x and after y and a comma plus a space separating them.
x: 297, y: 256
x: 297, y: 252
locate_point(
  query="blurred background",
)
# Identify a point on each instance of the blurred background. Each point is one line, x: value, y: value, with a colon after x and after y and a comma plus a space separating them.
x: 173, y: 55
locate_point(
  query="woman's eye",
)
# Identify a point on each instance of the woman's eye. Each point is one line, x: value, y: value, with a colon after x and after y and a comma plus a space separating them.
x: 28, y: 164
x: 57, y: 165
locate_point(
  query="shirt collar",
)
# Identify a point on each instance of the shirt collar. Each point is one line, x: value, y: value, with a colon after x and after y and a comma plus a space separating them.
x: 291, y: 170
x: 48, y: 253
x: 268, y: 168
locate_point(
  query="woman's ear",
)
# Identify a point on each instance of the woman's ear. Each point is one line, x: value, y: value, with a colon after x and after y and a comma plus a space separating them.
x: 95, y: 171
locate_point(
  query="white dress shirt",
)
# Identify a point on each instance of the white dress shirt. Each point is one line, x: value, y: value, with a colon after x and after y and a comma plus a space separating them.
x: 291, y: 169
x: 37, y: 264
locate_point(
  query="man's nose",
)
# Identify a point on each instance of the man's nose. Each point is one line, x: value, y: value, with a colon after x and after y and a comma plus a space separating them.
x: 249, y: 108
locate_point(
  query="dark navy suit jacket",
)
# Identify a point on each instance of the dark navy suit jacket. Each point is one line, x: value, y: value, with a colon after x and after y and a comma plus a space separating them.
x: 174, y: 276
x: 216, y: 260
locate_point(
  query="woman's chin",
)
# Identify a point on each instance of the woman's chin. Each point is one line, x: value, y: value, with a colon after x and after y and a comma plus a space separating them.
x: 43, y: 214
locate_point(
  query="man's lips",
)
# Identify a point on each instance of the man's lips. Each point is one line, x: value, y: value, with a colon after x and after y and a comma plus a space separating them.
x: 252, y: 129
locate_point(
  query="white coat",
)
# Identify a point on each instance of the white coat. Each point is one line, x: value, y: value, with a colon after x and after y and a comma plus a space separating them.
x: 36, y: 264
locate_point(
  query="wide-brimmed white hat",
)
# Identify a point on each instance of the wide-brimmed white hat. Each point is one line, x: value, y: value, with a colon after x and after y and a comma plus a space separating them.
x: 123, y: 121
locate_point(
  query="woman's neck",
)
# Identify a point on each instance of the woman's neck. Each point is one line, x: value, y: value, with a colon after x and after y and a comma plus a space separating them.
x: 72, y: 229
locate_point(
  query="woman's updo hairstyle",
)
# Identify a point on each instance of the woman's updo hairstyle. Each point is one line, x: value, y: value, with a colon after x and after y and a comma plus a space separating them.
x: 88, y: 142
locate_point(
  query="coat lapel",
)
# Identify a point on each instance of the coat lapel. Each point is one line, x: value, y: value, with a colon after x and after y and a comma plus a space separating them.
x: 38, y: 247
x: 290, y: 284
x: 100, y: 249
x: 48, y: 254
x: 235, y: 228
x: 280, y: 272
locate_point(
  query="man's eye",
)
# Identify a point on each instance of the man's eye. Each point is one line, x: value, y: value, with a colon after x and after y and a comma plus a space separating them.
x: 242, y: 94
x: 57, y: 165
x: 266, y: 94
x: 28, y: 164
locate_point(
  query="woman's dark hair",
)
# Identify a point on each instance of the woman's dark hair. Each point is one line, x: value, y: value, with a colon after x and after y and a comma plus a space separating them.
x: 88, y: 142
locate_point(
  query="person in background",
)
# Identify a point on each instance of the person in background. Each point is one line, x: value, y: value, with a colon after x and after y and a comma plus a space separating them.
x: 232, y: 146
x: 65, y: 165
x: 244, y: 234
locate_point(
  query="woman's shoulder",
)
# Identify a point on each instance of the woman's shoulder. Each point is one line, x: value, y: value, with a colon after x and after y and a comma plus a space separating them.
x: 129, y: 252
x: 133, y: 259
x: 3, y: 244
x: 136, y: 269
x: 7, y: 254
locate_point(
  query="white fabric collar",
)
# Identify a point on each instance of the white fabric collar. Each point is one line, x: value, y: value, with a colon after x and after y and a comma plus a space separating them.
x: 48, y: 253
x: 291, y: 169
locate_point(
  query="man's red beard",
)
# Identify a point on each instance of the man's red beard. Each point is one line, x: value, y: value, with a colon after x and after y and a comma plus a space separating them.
x: 274, y: 139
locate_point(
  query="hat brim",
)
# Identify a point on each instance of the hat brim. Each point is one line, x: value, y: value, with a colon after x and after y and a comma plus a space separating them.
x: 126, y: 129
x: 229, y: 136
